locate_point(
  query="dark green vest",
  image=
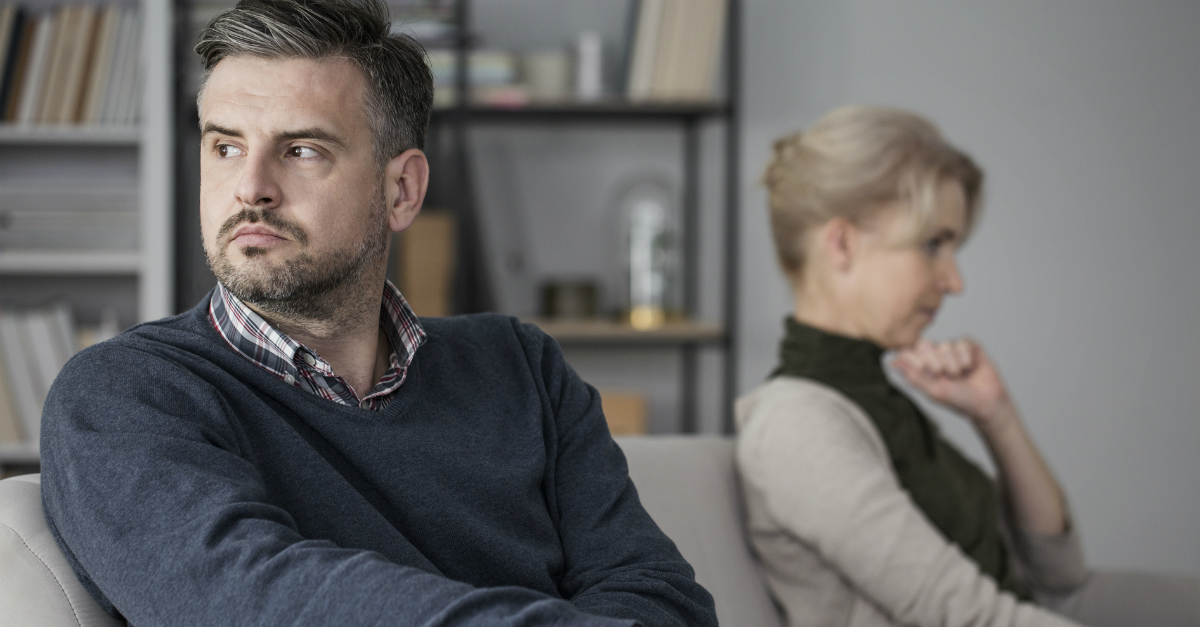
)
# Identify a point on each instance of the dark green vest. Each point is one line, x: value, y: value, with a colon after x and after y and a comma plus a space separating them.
x: 957, y: 497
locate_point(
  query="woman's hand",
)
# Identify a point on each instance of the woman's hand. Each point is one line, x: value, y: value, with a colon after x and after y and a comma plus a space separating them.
x: 958, y: 374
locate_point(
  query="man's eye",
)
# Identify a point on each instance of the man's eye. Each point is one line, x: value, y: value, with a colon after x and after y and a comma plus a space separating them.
x: 303, y: 152
x: 225, y: 150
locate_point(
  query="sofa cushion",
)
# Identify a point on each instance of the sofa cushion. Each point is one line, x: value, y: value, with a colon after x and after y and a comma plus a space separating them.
x: 39, y: 586
x: 689, y: 486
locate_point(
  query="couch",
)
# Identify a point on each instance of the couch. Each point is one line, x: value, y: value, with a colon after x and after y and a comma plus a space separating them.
x: 687, y: 484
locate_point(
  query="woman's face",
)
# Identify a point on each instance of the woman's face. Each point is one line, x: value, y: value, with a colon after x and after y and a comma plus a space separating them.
x: 897, y: 282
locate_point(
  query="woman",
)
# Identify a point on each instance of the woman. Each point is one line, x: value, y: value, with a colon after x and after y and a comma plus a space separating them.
x: 860, y: 512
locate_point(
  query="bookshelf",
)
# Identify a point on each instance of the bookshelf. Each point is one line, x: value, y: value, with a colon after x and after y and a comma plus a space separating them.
x: 47, y: 161
x: 684, y: 115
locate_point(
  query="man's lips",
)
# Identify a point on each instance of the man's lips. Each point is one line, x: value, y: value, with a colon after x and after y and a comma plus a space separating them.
x: 257, y: 235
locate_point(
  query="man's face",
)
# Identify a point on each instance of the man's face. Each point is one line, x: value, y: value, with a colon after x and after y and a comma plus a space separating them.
x: 291, y: 198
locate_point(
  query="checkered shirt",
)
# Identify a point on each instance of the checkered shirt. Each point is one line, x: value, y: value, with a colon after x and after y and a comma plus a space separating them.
x: 269, y: 348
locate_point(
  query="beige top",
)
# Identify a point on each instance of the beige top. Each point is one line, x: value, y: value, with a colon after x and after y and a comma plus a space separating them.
x: 842, y: 543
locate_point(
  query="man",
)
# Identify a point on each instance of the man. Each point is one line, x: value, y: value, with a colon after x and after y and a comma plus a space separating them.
x: 299, y: 449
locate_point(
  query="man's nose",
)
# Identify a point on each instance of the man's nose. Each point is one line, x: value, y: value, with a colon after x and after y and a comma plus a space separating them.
x: 258, y: 186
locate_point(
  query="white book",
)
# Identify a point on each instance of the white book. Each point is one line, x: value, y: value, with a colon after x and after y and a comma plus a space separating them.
x: 671, y: 41
x: 40, y: 342
x: 102, y: 60
x: 716, y: 44
x: 10, y: 424
x: 33, y: 82
x: 113, y: 88
x: 131, y: 90
x: 63, y: 324
x: 20, y: 374
x: 645, y: 47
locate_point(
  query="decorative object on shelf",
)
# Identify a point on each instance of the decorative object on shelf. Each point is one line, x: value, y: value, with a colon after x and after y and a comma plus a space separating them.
x: 624, y: 411
x: 570, y: 299
x: 78, y: 64
x: 547, y: 74
x: 649, y: 251
x: 424, y: 270
x: 675, y: 50
x: 588, y: 63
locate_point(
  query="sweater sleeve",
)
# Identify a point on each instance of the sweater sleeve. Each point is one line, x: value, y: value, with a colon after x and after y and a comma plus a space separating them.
x: 618, y: 562
x: 154, y: 501
x: 807, y: 455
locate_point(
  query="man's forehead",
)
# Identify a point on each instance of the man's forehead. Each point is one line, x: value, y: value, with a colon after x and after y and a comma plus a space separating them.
x: 306, y: 90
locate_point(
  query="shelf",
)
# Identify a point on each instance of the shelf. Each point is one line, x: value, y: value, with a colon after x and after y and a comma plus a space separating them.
x: 599, y: 111
x: 69, y: 135
x: 609, y: 333
x: 54, y: 262
x: 24, y: 453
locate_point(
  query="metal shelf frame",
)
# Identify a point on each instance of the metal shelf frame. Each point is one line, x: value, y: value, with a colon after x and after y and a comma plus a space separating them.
x: 472, y: 292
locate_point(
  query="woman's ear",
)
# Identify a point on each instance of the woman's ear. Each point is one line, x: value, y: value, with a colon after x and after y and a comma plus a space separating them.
x: 405, y: 180
x: 838, y: 242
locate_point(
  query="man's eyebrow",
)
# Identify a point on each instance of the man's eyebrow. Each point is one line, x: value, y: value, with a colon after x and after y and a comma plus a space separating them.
x: 305, y: 133
x: 209, y: 127
x: 310, y: 133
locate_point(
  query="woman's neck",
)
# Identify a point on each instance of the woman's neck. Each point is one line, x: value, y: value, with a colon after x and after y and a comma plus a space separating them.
x: 818, y: 308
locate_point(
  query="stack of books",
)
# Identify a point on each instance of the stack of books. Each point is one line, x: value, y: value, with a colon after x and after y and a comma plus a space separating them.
x: 34, y: 346
x: 77, y: 64
x: 675, y: 50
x: 75, y: 215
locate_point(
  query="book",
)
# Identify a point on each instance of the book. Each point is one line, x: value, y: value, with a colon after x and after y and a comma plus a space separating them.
x: 102, y: 60
x: 11, y: 56
x: 20, y: 374
x: 640, y: 83
x: 56, y: 66
x: 34, y: 79
x: 131, y: 100
x: 10, y: 92
x: 425, y: 264
x: 42, y: 352
x: 9, y: 29
x: 113, y: 85
x: 670, y: 41
x: 125, y: 65
x: 76, y: 64
x: 10, y: 424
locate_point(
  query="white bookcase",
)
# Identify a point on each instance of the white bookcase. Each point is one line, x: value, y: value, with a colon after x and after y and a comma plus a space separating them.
x: 136, y: 283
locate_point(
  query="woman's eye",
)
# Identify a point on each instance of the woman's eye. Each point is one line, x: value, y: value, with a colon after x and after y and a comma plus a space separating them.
x: 225, y: 150
x: 934, y: 245
x: 302, y: 152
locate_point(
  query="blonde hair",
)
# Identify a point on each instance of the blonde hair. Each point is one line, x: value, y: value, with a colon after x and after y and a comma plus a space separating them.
x: 850, y: 163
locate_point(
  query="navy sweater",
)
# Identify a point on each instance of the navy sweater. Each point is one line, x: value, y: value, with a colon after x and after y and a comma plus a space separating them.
x: 188, y: 486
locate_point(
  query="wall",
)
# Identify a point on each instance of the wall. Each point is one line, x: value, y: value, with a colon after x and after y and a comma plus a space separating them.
x: 1084, y: 278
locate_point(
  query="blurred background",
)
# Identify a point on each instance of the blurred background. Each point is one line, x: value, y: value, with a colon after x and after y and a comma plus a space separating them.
x: 595, y: 169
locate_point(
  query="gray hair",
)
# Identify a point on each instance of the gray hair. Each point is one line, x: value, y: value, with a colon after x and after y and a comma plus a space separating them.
x: 853, y: 161
x: 399, y: 93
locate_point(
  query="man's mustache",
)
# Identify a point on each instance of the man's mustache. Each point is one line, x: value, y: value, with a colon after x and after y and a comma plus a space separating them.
x: 268, y: 218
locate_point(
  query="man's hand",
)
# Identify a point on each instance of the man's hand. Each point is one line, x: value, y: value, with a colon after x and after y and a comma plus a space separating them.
x: 958, y: 374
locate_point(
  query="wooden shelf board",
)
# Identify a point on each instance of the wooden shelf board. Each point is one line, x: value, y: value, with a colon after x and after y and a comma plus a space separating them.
x: 616, y: 110
x: 70, y: 135
x: 56, y: 262
x: 606, y: 332
x: 22, y: 453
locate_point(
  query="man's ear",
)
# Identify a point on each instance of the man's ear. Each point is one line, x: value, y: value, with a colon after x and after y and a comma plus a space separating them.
x: 839, y: 243
x: 405, y: 180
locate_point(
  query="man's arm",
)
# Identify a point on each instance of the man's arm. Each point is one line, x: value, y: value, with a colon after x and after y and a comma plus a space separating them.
x: 152, y: 497
x: 619, y: 563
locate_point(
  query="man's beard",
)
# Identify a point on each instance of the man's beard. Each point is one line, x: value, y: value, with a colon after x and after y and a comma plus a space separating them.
x: 307, y: 286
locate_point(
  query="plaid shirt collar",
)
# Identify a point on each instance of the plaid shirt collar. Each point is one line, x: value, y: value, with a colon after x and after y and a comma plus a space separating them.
x: 272, y: 350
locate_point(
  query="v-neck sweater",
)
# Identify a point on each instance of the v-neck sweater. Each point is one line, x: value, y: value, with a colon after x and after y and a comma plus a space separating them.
x: 187, y: 486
